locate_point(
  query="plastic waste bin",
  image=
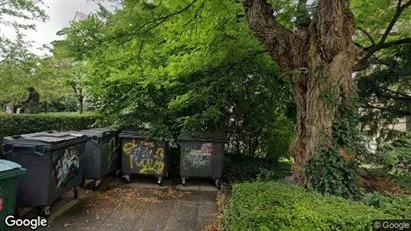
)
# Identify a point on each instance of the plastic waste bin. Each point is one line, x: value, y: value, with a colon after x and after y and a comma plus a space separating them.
x: 143, y: 156
x: 54, y: 163
x: 102, y: 153
x: 10, y: 173
x: 201, y: 157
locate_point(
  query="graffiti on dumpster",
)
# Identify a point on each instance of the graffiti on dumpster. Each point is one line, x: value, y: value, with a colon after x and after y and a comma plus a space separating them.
x: 66, y: 166
x: 112, y: 152
x: 145, y: 156
x: 197, y: 157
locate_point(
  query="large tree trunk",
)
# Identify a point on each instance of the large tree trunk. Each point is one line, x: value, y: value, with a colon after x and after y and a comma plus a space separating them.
x: 320, y: 61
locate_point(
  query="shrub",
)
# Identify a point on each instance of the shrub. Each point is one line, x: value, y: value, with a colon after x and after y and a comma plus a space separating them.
x: 398, y: 206
x: 28, y: 123
x: 282, y: 206
x: 65, y: 103
x: 240, y: 168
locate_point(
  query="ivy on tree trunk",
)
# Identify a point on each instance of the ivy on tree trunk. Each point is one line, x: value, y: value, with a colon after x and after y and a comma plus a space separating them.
x: 319, y: 59
x: 319, y: 56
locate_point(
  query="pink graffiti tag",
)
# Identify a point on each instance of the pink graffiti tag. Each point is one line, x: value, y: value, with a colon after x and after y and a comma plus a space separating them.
x: 207, y: 148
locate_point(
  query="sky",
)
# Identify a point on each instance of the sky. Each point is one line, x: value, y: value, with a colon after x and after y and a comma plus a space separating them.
x: 60, y: 13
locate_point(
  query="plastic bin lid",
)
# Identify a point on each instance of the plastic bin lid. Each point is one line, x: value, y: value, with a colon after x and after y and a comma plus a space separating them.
x: 100, y: 132
x: 133, y: 134
x: 6, y: 165
x: 44, y: 138
x: 203, y: 137
x: 53, y: 137
x: 10, y: 169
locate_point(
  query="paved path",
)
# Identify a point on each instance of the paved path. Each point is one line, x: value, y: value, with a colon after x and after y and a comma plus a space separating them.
x: 135, y: 208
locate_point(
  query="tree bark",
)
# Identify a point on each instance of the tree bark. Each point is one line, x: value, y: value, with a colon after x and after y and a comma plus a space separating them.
x: 319, y: 60
x: 81, y: 101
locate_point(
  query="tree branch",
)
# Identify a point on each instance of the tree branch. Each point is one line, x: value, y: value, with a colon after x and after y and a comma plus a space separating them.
x: 375, y: 60
x: 367, y: 34
x: 369, y: 51
x: 396, y: 42
x: 394, y: 20
x: 279, y: 41
x: 156, y: 22
x: 403, y: 113
x: 405, y: 96
x: 4, y: 3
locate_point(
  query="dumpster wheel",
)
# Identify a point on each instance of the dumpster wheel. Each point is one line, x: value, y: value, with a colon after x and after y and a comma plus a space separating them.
x: 45, y: 210
x: 183, y: 181
x: 75, y: 191
x: 160, y: 181
x: 218, y: 184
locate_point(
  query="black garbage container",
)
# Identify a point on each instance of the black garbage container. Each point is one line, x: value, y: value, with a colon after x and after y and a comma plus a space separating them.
x: 201, y: 157
x: 143, y: 156
x: 102, y: 155
x: 54, y: 163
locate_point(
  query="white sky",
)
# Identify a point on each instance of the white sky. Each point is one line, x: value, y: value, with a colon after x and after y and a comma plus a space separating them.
x: 60, y: 13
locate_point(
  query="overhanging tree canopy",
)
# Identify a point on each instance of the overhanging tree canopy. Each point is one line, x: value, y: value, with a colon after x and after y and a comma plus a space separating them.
x: 311, y: 42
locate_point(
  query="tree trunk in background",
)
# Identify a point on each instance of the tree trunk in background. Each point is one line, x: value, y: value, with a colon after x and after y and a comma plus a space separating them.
x: 13, y: 108
x: 319, y: 58
x: 81, y: 101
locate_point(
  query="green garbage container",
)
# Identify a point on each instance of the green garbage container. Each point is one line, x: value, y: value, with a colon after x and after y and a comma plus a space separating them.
x: 10, y: 172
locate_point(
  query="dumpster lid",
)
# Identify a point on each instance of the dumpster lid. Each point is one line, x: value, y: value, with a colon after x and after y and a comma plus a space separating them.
x: 6, y: 165
x: 203, y: 137
x: 100, y: 132
x: 52, y: 137
x: 44, y: 138
x: 142, y: 134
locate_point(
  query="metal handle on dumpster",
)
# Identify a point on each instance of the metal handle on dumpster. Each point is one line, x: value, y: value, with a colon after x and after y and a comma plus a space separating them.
x: 95, y: 139
x: 38, y: 150
x: 8, y: 148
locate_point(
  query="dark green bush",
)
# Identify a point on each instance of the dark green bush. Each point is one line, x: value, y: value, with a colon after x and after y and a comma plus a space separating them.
x: 282, y: 206
x: 66, y: 103
x: 29, y: 123
x: 245, y: 168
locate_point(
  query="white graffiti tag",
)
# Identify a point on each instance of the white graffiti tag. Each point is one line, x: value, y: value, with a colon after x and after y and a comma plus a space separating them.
x: 198, y: 158
x: 66, y: 165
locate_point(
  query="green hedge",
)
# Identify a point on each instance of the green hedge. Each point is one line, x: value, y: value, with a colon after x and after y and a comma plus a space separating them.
x: 398, y: 206
x: 239, y: 169
x: 282, y: 206
x: 29, y: 123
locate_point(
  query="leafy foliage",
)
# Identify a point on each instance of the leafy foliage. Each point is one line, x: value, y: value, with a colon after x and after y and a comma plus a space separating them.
x: 384, y: 92
x: 18, y: 15
x: 334, y: 170
x: 19, y: 73
x: 281, y: 206
x: 214, y: 76
x: 67, y: 103
x: 394, y: 156
x: 373, y: 17
x: 21, y: 9
x: 330, y: 174
x: 239, y: 169
x: 398, y: 206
